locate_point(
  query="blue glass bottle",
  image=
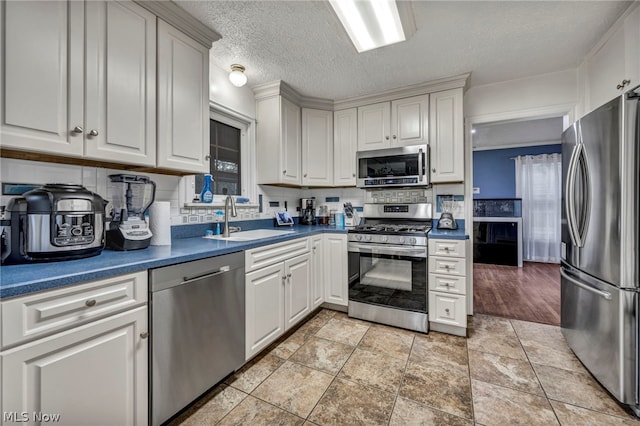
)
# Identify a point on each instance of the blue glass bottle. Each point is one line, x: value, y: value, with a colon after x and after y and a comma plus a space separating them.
x: 206, y: 195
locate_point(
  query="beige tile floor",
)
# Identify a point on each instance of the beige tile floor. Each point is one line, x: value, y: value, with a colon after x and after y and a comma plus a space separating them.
x: 334, y: 370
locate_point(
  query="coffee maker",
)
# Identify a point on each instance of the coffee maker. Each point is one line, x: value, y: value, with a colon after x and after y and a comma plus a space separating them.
x: 131, y: 196
x: 308, y: 211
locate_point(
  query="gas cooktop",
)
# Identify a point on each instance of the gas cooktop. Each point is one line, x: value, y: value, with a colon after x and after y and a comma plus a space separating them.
x: 388, y: 228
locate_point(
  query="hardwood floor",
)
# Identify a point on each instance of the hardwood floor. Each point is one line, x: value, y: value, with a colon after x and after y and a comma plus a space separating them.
x: 530, y: 293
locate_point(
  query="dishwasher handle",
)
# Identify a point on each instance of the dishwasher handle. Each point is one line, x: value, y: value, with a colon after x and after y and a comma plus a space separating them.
x: 222, y: 270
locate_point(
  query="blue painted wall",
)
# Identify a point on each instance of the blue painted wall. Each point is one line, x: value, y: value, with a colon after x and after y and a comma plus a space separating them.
x: 494, y: 171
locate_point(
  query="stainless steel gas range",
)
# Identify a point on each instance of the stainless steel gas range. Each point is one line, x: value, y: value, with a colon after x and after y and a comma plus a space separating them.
x: 388, y: 265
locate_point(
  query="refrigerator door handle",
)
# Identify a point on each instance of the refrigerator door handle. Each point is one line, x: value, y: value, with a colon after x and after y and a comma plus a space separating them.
x: 600, y: 293
x: 569, y: 200
x: 585, y: 209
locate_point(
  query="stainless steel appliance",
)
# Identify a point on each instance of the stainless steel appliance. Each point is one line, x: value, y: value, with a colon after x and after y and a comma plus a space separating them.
x: 308, y: 211
x: 388, y: 265
x: 393, y: 167
x: 130, y: 196
x: 197, y: 317
x: 600, y: 279
x: 53, y: 222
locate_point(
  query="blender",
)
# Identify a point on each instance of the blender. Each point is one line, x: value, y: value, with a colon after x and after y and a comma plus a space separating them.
x: 131, y: 196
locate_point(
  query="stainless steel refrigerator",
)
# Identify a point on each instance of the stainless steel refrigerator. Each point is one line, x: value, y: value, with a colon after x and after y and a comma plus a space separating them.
x: 599, y: 290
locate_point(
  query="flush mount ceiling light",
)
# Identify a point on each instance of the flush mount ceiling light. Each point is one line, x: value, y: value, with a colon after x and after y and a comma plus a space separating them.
x: 375, y: 23
x: 237, y: 76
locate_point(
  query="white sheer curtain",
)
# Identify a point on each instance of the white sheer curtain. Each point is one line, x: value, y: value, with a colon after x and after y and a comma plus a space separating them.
x: 539, y: 184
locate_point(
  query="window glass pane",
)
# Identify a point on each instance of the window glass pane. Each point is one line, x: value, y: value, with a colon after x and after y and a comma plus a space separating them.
x: 224, y: 165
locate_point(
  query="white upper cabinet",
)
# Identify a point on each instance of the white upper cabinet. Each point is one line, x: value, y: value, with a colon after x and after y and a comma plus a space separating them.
x: 183, y: 101
x: 79, y: 93
x: 409, y: 121
x: 401, y: 122
x: 373, y: 126
x: 345, y: 145
x: 615, y: 67
x: 446, y: 136
x: 317, y: 147
x: 120, y: 113
x: 278, y: 141
x: 42, y: 87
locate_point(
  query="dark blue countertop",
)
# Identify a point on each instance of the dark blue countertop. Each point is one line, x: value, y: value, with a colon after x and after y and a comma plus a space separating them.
x: 447, y: 234
x: 16, y: 280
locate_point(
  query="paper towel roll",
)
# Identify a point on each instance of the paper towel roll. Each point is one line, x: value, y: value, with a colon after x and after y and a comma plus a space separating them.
x: 160, y: 223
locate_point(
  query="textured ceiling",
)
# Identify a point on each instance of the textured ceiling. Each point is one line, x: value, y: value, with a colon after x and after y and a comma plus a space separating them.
x: 303, y: 43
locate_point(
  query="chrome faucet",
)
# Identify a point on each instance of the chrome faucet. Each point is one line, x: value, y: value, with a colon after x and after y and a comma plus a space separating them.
x: 233, y: 212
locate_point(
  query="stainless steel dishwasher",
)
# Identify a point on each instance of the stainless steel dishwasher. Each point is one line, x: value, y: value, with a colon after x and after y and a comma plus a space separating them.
x: 197, y: 330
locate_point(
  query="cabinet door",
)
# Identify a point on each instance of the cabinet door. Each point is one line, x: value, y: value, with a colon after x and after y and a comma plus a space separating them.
x: 446, y: 136
x: 317, y: 270
x: 297, y: 298
x: 373, y: 126
x: 632, y: 49
x: 336, y: 285
x: 317, y: 147
x: 447, y: 309
x: 183, y: 101
x: 345, y: 145
x: 606, y: 69
x: 409, y: 118
x: 41, y: 81
x: 264, y: 307
x: 290, y: 142
x: 93, y: 373
x: 120, y: 120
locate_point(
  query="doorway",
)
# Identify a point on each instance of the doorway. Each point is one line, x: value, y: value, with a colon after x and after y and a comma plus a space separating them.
x: 510, y: 276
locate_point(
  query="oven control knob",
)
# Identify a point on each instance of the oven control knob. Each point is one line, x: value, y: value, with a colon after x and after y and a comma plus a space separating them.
x: 367, y: 237
x: 358, y: 237
x: 412, y: 241
x: 401, y: 240
x: 384, y: 238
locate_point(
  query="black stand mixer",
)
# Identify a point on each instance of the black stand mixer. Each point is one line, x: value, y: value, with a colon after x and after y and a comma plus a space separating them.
x: 131, y: 196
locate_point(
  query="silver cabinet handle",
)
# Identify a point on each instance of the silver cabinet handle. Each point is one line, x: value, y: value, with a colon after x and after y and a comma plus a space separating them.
x: 91, y: 302
x: 394, y: 136
x: 93, y: 132
x: 305, y: 175
x: 353, y: 175
x: 447, y: 310
x: 284, y: 172
x: 78, y: 129
x: 386, y: 137
x: 144, y: 334
x: 288, y: 275
x: 207, y: 157
x: 433, y: 170
x: 284, y: 278
x: 622, y: 84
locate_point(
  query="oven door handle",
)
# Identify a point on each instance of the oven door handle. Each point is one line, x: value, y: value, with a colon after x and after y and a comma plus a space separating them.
x: 420, y: 252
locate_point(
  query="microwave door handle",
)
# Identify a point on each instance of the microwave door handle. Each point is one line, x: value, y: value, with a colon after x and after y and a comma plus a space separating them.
x: 420, y: 165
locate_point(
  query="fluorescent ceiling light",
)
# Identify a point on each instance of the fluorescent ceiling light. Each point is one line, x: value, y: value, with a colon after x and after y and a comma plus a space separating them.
x: 374, y: 23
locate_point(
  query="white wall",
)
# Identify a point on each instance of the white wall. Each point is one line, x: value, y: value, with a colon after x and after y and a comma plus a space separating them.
x: 222, y: 92
x: 523, y: 97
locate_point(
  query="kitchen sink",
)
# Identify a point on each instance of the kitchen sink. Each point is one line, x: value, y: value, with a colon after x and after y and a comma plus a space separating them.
x: 254, y: 234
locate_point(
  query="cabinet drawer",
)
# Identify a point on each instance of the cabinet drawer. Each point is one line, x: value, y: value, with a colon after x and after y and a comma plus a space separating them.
x: 447, y: 265
x: 447, y: 309
x: 29, y: 317
x: 453, y: 248
x: 448, y: 283
x: 268, y: 255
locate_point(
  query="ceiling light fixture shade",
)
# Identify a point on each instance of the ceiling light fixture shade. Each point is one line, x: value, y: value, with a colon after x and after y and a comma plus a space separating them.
x: 375, y: 23
x: 237, y: 76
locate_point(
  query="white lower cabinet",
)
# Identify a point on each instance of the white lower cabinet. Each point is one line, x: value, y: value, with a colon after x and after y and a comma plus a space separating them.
x: 94, y: 373
x: 278, y: 295
x: 335, y: 277
x: 317, y: 270
x: 447, y: 286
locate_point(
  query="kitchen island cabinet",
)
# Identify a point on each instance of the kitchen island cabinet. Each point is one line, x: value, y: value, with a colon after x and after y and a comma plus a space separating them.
x: 79, y: 80
x: 82, y: 353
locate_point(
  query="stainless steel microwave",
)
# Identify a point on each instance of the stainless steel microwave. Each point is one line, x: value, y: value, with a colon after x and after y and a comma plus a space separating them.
x: 393, y: 167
